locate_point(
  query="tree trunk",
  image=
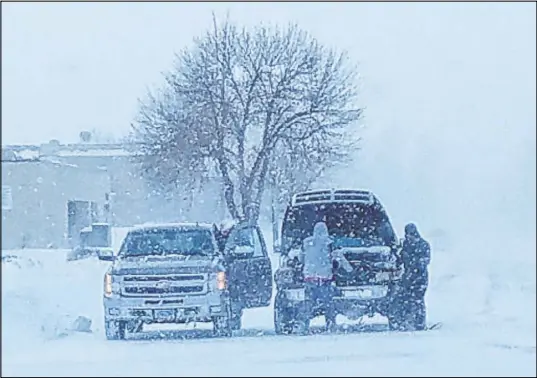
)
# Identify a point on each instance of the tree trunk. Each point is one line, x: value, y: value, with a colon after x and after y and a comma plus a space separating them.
x: 252, y: 210
x: 274, y: 220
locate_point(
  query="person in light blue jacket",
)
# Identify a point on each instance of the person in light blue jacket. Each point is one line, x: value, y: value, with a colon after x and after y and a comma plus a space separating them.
x: 318, y: 258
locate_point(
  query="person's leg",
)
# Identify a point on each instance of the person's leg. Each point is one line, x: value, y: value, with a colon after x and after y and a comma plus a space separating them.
x: 420, y: 311
x: 314, y: 297
x: 309, y: 299
x: 414, y: 306
x: 407, y: 304
x: 328, y: 305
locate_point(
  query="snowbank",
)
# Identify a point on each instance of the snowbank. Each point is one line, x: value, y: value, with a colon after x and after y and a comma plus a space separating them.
x: 44, y: 297
x: 486, y: 289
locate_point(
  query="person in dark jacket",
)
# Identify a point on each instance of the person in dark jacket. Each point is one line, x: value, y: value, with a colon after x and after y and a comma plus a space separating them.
x: 416, y: 256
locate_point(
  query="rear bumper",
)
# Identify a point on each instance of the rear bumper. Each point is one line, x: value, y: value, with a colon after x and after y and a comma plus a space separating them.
x: 349, y: 301
x: 355, y: 302
x: 356, y: 308
x: 177, y: 309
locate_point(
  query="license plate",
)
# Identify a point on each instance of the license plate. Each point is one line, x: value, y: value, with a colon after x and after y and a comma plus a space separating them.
x: 358, y: 294
x: 296, y: 294
x: 370, y: 292
x: 165, y: 314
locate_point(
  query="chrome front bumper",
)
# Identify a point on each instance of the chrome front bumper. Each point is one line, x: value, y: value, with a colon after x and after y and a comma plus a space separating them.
x: 179, y: 309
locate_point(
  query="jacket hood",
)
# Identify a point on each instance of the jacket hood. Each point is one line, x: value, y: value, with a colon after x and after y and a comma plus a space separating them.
x: 320, y: 230
x: 412, y: 230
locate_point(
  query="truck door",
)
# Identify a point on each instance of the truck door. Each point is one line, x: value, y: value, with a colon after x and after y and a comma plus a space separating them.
x: 250, y: 274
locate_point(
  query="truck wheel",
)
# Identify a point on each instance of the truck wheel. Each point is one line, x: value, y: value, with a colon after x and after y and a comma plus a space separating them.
x: 302, y: 326
x: 283, y: 317
x: 115, y: 329
x: 395, y: 321
x: 222, y: 326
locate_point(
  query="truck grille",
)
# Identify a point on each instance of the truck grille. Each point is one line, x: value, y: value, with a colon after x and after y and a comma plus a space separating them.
x: 169, y: 290
x: 175, y: 278
x: 163, y: 285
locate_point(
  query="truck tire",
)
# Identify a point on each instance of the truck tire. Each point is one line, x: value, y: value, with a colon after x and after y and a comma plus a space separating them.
x: 301, y: 327
x: 395, y: 321
x: 115, y: 329
x: 222, y: 326
x: 283, y: 317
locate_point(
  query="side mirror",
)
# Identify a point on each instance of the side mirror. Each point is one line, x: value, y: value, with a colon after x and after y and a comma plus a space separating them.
x: 242, y: 251
x: 106, y: 254
x: 277, y: 249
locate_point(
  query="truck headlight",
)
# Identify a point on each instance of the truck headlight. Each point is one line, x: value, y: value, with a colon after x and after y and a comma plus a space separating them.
x: 221, y: 280
x: 108, y: 285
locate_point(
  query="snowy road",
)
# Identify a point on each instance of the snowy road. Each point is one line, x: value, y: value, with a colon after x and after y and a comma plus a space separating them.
x: 371, y: 354
x: 488, y: 312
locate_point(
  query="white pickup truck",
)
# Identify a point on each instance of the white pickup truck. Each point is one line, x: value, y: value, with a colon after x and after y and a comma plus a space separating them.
x: 182, y: 273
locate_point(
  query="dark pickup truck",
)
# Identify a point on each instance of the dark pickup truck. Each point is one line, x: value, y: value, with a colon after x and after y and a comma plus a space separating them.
x: 363, y: 234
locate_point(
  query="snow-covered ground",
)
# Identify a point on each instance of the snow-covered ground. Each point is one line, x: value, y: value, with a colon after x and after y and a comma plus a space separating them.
x: 483, y: 293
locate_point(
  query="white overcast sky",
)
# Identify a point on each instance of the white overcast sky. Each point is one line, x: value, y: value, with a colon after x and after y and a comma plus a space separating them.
x: 449, y: 88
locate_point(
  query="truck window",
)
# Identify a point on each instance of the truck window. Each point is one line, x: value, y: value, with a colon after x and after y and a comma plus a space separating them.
x: 246, y: 236
x: 168, y: 241
x: 369, y: 223
x: 258, y: 246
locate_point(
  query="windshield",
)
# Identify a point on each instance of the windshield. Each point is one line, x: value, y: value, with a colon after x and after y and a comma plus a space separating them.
x: 349, y: 224
x: 168, y: 241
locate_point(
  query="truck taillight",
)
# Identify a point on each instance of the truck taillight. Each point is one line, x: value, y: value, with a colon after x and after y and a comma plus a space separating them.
x: 107, y: 285
x: 221, y: 280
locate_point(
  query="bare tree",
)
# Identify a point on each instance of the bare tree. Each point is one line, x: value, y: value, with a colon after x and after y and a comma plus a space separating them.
x: 239, y: 100
x: 298, y: 166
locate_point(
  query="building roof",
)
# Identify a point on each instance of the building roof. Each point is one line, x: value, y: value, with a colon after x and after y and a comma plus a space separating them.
x: 56, y: 149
